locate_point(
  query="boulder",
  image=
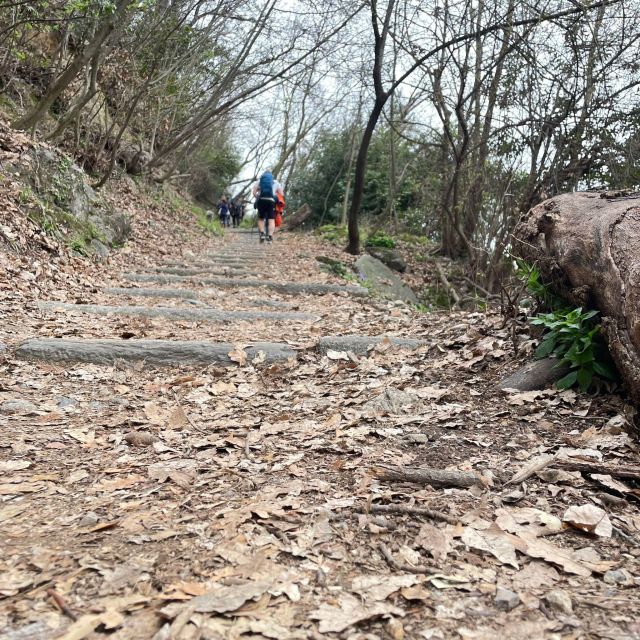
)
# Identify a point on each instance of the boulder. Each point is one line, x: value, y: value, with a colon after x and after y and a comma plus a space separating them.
x: 391, y: 257
x: 99, y: 251
x: 535, y: 375
x: 383, y: 281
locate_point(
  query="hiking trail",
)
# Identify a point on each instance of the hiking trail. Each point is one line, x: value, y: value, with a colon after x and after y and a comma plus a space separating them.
x: 224, y: 444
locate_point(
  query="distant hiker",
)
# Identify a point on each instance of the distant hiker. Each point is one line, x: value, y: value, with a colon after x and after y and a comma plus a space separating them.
x: 265, y: 192
x: 279, y: 210
x: 223, y: 211
x: 236, y: 212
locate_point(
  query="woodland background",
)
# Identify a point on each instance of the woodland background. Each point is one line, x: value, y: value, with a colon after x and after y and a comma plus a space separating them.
x: 444, y: 119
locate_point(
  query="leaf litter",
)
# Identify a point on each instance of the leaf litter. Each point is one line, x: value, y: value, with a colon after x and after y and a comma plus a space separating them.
x: 241, y: 501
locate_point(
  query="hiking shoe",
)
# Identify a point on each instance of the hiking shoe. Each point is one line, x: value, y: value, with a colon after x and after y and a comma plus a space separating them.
x: 269, y: 238
x: 261, y: 238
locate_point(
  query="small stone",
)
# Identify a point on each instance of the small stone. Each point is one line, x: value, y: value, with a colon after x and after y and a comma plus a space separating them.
x: 418, y: 438
x: 139, y: 438
x: 506, y: 599
x: 89, y: 520
x: 618, y: 576
x: 22, y: 407
x: 560, y: 601
x: 64, y: 401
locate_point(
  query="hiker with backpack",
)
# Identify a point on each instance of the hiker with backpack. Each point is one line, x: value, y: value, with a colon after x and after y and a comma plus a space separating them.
x: 265, y: 191
x: 223, y: 211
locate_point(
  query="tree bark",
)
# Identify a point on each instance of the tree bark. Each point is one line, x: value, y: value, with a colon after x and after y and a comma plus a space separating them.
x: 587, y: 248
x: 358, y: 182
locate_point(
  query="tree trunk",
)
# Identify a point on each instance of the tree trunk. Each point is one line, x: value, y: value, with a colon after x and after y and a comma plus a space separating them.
x: 587, y: 247
x: 358, y: 183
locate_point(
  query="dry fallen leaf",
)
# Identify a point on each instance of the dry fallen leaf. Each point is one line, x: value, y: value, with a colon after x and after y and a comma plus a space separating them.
x: 180, y: 471
x: 332, y: 354
x: 434, y: 540
x: 177, y: 418
x: 238, y: 355
x: 590, y: 519
x: 493, y: 541
x: 348, y: 612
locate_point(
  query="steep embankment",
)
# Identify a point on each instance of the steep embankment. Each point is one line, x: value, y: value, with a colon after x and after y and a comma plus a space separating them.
x: 57, y: 234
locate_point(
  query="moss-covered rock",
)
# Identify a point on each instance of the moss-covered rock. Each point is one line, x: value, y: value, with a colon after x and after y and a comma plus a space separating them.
x: 59, y: 198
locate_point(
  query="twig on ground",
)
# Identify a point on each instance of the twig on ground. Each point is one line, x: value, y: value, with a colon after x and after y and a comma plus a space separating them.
x: 61, y: 604
x: 433, y: 477
x: 411, y: 511
x: 186, y: 415
x: 399, y: 566
x: 235, y: 473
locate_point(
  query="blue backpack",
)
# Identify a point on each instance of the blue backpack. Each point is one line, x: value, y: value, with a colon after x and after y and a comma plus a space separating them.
x: 266, y: 186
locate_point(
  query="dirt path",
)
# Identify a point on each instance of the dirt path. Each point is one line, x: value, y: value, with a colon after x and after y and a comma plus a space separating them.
x: 248, y: 499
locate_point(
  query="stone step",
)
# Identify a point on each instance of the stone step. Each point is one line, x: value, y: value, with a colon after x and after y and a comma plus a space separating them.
x: 158, y: 353
x: 360, y: 345
x: 283, y: 287
x: 213, y: 270
x: 167, y: 278
x: 152, y: 293
x: 175, y: 353
x: 179, y: 313
x: 239, y: 254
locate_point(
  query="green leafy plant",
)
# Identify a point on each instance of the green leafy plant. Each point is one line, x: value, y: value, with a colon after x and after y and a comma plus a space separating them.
x: 380, y: 239
x: 573, y: 336
x: 333, y: 233
x: 529, y: 275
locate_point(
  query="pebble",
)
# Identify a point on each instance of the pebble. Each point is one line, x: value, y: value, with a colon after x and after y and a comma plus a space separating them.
x: 560, y: 601
x: 89, y: 519
x: 23, y: 407
x: 506, y: 599
x: 64, y: 401
x: 418, y: 438
x: 618, y: 576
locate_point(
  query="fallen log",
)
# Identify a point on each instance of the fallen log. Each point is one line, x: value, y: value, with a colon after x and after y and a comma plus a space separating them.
x: 587, y: 248
x: 298, y: 218
x: 433, y: 477
x: 625, y: 472
x: 221, y: 269
x: 535, y: 375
